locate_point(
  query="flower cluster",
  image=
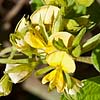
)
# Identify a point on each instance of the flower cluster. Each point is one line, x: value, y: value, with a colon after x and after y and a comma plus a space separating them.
x: 50, y: 38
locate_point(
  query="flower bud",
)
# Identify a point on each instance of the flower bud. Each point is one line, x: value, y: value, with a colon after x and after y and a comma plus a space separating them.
x: 18, y: 72
x: 20, y: 44
x: 5, y: 85
x: 22, y: 25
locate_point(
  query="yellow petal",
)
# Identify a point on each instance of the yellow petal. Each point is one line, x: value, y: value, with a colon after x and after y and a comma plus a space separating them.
x: 33, y: 40
x: 60, y: 83
x: 68, y: 64
x: 50, y: 49
x: 55, y: 58
x: 46, y: 12
x: 65, y: 36
x: 61, y: 59
x: 49, y: 77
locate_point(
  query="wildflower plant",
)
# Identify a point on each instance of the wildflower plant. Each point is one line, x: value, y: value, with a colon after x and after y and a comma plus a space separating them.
x: 52, y: 36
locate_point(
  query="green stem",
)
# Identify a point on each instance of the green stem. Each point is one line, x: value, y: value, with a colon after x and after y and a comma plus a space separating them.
x: 14, y: 61
x: 6, y: 50
x: 84, y: 60
x: 12, y: 53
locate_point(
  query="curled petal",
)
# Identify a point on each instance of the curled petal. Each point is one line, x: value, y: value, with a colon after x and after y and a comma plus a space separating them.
x: 66, y: 37
x: 49, y: 77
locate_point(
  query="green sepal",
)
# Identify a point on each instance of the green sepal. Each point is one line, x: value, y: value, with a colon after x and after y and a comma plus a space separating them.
x: 43, y: 70
x: 59, y: 45
x: 24, y: 47
x: 79, y: 37
x: 43, y: 31
x: 77, y: 51
x: 68, y: 80
x: 20, y: 68
x: 91, y: 43
x: 58, y: 23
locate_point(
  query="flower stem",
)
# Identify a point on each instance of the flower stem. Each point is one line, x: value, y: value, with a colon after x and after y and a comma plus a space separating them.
x: 84, y: 60
x: 14, y: 61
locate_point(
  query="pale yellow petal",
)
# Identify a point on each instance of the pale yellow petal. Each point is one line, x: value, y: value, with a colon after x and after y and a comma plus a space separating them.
x: 33, y: 40
x: 55, y: 58
x: 49, y: 77
x: 60, y: 83
x: 35, y: 17
x: 51, y: 14
x: 68, y: 64
x: 46, y: 12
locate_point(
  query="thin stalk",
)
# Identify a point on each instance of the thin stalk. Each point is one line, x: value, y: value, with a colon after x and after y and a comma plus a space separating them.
x: 84, y: 60
x: 14, y: 61
x: 5, y: 51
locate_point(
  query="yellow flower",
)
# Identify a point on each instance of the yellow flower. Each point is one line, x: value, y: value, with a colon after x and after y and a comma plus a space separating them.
x: 61, y: 62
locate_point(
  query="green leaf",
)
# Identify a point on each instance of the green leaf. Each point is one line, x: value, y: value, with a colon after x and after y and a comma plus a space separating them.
x: 63, y: 97
x: 90, y: 90
x: 77, y: 51
x: 91, y: 43
x: 96, y: 58
x: 85, y: 3
x: 79, y: 37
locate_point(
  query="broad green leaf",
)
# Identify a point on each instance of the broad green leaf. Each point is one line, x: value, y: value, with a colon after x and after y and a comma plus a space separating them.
x: 96, y: 57
x: 91, y: 43
x: 79, y: 37
x: 90, y: 90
